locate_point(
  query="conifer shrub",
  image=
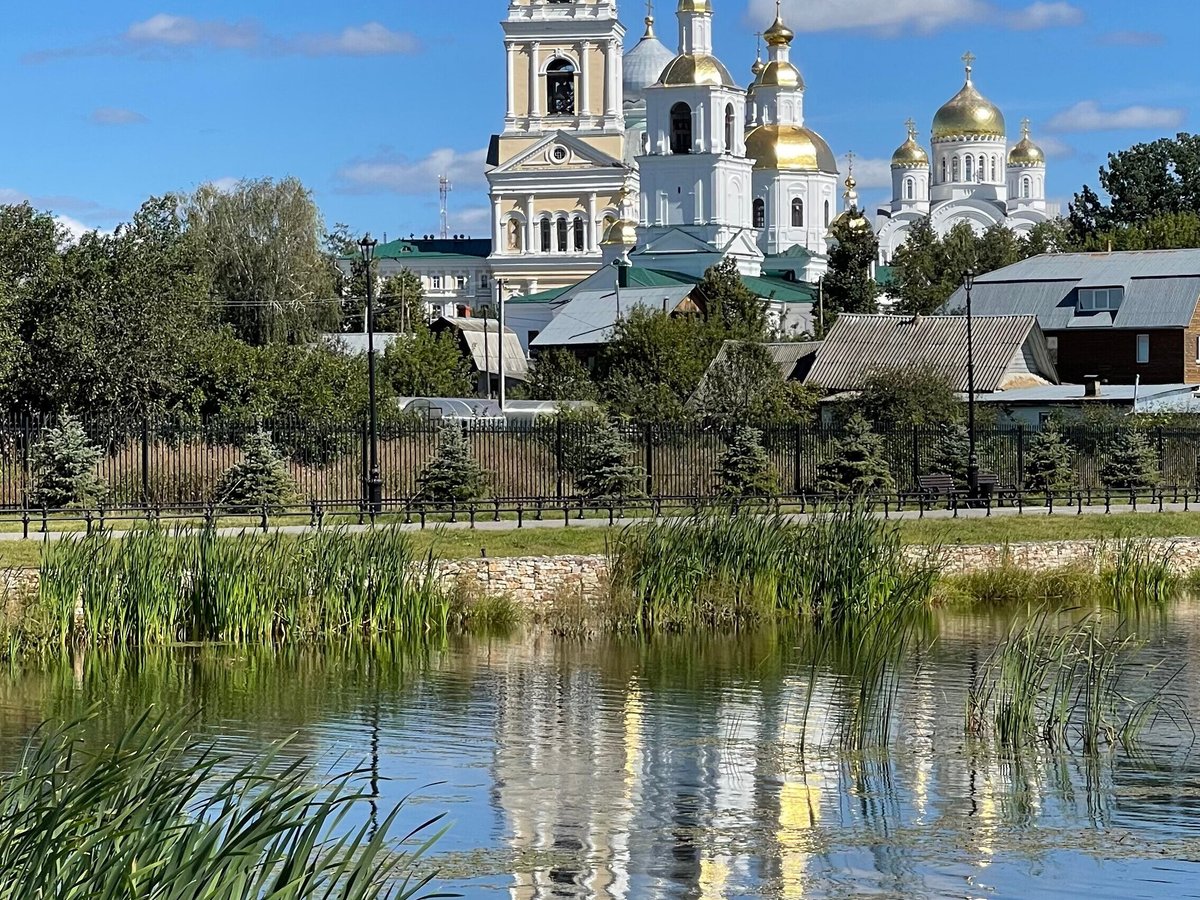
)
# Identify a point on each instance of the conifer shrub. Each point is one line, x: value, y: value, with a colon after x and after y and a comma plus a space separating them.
x: 261, y: 480
x: 1049, y: 462
x: 952, y: 453
x: 63, y: 468
x: 858, y: 464
x: 603, y: 469
x: 1130, y: 463
x: 451, y: 474
x: 744, y: 470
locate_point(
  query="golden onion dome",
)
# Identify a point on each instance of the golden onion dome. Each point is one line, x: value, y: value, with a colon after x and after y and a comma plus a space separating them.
x: 695, y: 6
x: 1026, y: 152
x: 777, y: 73
x: 757, y: 68
x: 910, y: 154
x: 696, y: 68
x: 622, y: 233
x: 778, y: 34
x: 789, y: 148
x: 968, y: 113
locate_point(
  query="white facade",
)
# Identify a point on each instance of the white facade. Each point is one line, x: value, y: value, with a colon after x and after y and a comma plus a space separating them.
x: 971, y: 176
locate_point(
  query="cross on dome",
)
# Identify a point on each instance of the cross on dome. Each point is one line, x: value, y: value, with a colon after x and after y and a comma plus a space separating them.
x: 1025, y: 127
x: 911, y: 125
x: 968, y: 59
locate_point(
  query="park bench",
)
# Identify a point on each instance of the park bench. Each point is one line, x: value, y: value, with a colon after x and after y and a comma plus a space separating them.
x: 940, y: 486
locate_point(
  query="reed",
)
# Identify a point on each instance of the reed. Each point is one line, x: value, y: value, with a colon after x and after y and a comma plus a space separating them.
x: 153, y: 814
x: 1141, y: 571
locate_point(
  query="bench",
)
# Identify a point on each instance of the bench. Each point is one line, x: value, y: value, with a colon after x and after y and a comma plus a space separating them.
x: 938, y: 486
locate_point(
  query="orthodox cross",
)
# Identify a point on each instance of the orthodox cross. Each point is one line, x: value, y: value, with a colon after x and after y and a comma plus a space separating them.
x: 969, y: 61
x: 850, y: 162
x: 650, y: 9
x: 1025, y: 123
x: 911, y: 125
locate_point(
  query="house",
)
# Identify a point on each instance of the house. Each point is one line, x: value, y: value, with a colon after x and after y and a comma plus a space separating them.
x: 479, y: 340
x: 1034, y: 406
x: 453, y: 271
x: 1124, y: 317
x: 794, y: 359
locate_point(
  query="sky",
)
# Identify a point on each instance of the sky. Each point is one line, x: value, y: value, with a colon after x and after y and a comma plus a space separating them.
x: 106, y: 104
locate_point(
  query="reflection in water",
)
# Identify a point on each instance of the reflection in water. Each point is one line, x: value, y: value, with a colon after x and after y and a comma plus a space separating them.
x: 689, y: 768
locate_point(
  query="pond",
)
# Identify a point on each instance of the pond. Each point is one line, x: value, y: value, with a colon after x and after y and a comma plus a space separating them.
x: 675, y: 768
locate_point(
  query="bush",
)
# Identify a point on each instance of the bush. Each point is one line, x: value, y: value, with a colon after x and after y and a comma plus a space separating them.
x: 858, y: 464
x: 261, y: 480
x: 451, y: 475
x: 953, y: 453
x: 1049, y: 462
x: 604, y: 472
x: 63, y: 464
x: 744, y: 469
x: 1130, y: 462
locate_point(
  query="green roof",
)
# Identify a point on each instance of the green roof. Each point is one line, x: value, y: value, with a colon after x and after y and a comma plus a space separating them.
x: 450, y: 249
x: 772, y: 288
x: 540, y: 297
x: 885, y: 276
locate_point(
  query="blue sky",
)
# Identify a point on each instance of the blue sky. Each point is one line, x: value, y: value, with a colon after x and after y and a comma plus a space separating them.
x: 106, y: 104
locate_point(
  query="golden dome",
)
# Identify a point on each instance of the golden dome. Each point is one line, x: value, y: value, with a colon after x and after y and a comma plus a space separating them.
x: 968, y: 113
x: 757, y: 68
x: 777, y: 73
x: 693, y: 68
x: 622, y: 233
x: 778, y: 33
x: 910, y: 154
x: 1026, y: 152
x: 789, y: 148
x: 694, y: 6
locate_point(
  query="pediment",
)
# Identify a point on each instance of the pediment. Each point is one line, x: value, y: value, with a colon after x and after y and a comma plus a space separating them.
x: 677, y: 241
x: 559, y: 151
x: 742, y: 244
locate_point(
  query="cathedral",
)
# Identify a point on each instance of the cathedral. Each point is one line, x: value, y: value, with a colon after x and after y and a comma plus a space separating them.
x: 659, y: 159
x: 973, y: 177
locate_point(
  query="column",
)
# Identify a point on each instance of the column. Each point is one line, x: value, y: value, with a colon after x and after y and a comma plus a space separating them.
x: 500, y: 239
x: 511, y: 52
x: 535, y: 88
x: 591, y: 240
x: 531, y: 236
x: 585, y: 73
x: 610, y: 71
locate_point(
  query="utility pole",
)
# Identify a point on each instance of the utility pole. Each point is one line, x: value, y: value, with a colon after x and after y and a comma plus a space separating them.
x: 972, y: 456
x: 500, y: 308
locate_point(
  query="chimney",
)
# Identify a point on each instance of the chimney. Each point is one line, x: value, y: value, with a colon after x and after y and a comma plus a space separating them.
x: 622, y: 274
x: 1091, y: 385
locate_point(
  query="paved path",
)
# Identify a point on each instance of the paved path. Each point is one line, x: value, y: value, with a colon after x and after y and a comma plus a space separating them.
x: 487, y: 525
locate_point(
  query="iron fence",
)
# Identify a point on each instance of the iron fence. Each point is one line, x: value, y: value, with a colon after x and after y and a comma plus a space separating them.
x: 168, y: 466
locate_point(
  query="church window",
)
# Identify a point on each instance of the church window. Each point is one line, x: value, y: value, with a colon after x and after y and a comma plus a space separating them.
x: 797, y: 213
x: 578, y: 229
x: 943, y: 170
x: 545, y: 235
x: 954, y: 169
x: 560, y: 88
x: 1026, y: 188
x: 968, y: 166
x: 828, y: 218
x: 981, y: 172
x: 514, y: 235
x: 730, y: 119
x: 760, y: 213
x: 993, y: 168
x: 562, y: 235
x: 908, y: 188
x: 681, y: 128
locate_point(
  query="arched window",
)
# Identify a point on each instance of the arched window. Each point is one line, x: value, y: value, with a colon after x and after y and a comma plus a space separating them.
x: 578, y: 229
x: 562, y: 235
x: 981, y: 173
x: 760, y: 213
x: 828, y: 217
x: 797, y: 213
x: 645, y: 142
x: 560, y: 88
x: 943, y: 170
x: 730, y: 120
x: 681, y: 128
x: 908, y: 189
x: 993, y: 168
x: 1026, y: 188
x: 954, y: 169
x: 545, y: 235
x: 515, y: 232
x: 968, y: 167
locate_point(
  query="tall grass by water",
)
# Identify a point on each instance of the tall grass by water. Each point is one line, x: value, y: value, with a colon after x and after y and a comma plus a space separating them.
x: 158, y: 814
x: 154, y: 587
x: 721, y: 571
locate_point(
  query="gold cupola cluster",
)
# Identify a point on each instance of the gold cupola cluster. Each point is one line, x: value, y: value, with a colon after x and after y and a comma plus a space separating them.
x: 1026, y: 152
x: 910, y: 154
x: 696, y: 65
x: 968, y: 114
x: 778, y: 72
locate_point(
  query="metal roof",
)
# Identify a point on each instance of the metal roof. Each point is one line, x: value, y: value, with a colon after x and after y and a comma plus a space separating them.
x: 355, y: 343
x: 483, y: 345
x: 1162, y: 289
x: 787, y: 355
x: 857, y: 345
x: 590, y: 317
x: 1076, y: 393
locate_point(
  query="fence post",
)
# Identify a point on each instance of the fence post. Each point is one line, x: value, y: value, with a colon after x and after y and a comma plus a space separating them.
x: 916, y: 457
x: 1020, y: 455
x: 366, y: 463
x: 798, y: 480
x: 558, y: 455
x: 1162, y: 455
x: 145, y: 462
x: 648, y: 457
x: 26, y: 479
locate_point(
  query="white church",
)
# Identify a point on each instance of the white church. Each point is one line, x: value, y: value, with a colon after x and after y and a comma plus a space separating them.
x: 658, y: 158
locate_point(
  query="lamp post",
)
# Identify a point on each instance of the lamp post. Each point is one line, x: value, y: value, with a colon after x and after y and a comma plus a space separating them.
x: 973, y: 456
x: 373, y: 488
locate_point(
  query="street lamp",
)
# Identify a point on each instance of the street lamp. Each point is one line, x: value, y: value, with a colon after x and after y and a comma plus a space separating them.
x: 373, y: 485
x: 973, y: 456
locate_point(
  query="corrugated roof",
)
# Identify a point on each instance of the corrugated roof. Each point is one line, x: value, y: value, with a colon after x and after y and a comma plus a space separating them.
x: 591, y: 316
x: 1162, y: 289
x: 484, y: 346
x: 858, y: 345
x: 785, y: 354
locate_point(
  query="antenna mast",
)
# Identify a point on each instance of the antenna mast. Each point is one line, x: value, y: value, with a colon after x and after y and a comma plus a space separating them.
x: 444, y: 189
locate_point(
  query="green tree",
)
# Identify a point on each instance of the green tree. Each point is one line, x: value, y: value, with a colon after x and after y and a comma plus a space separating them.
x: 602, y: 469
x: 744, y: 385
x: 401, y: 303
x: 996, y: 248
x: 952, y: 451
x: 921, y: 396
x: 423, y: 364
x: 262, y: 243
x: 451, y: 475
x: 850, y: 285
x: 559, y: 375
x: 1049, y: 462
x: 654, y: 364
x: 1130, y: 463
x: 63, y: 468
x: 731, y: 309
x: 917, y: 271
x: 261, y: 480
x: 858, y: 464
x: 744, y: 469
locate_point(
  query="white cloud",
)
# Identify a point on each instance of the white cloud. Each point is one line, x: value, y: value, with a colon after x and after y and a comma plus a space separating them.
x: 111, y: 115
x: 74, y: 228
x: 473, y: 220
x: 401, y: 175
x: 1088, y: 116
x: 1131, y: 39
x: 1053, y: 147
x: 897, y: 16
x: 873, y: 173
x: 166, y: 34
